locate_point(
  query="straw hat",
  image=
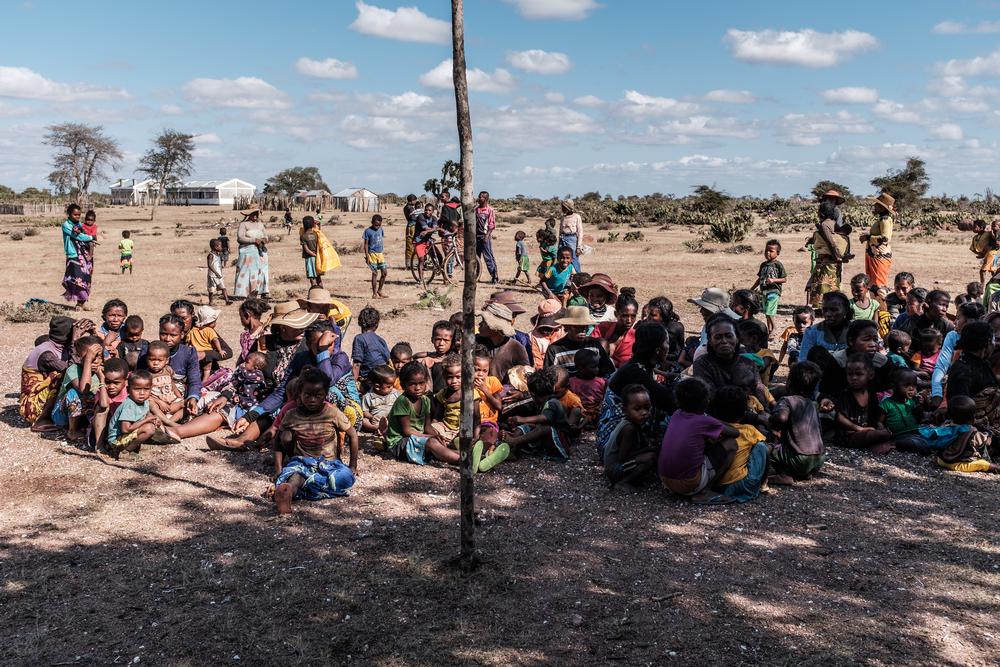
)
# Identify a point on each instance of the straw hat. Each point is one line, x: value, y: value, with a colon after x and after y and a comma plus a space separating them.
x: 205, y: 315
x: 545, y: 321
x: 569, y: 205
x: 498, y: 318
x: 289, y: 314
x: 250, y: 211
x: 886, y: 201
x: 318, y: 296
x: 834, y: 194
x: 577, y: 316
x: 548, y: 307
x: 518, y: 377
x: 509, y: 299
x: 602, y: 281
x: 715, y: 300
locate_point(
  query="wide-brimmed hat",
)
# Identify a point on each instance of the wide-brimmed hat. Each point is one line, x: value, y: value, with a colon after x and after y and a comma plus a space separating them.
x: 545, y: 308
x: 509, y: 299
x: 498, y: 317
x: 886, y: 201
x: 716, y: 300
x: 834, y: 194
x: 577, y: 316
x: 250, y: 211
x: 318, y: 296
x: 518, y: 377
x: 602, y: 281
x: 205, y: 315
x: 545, y: 321
x: 290, y: 314
x: 568, y: 204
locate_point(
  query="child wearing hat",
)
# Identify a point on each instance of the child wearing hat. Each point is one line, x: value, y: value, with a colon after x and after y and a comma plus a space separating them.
x: 577, y: 323
x: 600, y: 291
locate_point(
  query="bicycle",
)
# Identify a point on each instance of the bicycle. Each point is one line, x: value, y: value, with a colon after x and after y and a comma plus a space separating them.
x: 442, y: 258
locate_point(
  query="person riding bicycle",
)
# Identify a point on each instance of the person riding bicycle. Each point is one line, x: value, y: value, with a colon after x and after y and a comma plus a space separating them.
x: 425, y: 226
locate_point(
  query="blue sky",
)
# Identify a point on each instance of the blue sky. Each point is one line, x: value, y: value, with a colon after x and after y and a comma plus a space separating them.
x: 621, y: 96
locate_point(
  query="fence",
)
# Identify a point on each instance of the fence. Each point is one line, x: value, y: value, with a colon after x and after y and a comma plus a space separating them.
x: 31, y: 208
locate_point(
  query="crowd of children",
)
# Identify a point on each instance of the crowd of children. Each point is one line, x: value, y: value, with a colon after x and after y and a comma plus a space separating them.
x: 704, y: 416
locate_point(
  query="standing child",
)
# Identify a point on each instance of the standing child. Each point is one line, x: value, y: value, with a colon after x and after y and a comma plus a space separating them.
x: 378, y: 401
x: 309, y: 240
x: 802, y: 319
x: 409, y: 436
x: 556, y: 278
x: 306, y: 447
x: 486, y: 222
x: 587, y: 384
x: 800, y: 451
x: 132, y: 423
x: 770, y: 277
x: 288, y: 222
x: 521, y: 258
x: 373, y: 242
x: 223, y: 239
x: 983, y: 246
x: 368, y: 349
x: 630, y: 457
x: 216, y: 283
x: 125, y: 249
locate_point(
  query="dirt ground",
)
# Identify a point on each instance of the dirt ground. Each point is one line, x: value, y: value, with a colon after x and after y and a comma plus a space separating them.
x: 176, y: 559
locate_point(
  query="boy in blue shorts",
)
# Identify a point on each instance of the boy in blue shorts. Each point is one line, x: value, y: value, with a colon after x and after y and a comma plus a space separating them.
x: 373, y: 240
x: 770, y: 277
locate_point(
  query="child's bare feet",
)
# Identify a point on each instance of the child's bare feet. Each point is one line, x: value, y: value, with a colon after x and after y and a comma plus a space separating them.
x: 780, y: 480
x: 283, y: 494
x: 383, y: 426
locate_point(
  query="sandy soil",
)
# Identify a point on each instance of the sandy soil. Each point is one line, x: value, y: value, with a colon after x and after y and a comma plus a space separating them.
x: 176, y: 559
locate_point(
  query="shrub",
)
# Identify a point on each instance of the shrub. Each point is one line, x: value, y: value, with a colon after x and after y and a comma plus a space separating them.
x: 731, y: 228
x: 31, y: 231
x: 633, y: 236
x: 288, y: 278
x: 697, y: 245
x: 33, y: 311
x: 16, y: 236
x: 739, y: 249
x: 434, y: 300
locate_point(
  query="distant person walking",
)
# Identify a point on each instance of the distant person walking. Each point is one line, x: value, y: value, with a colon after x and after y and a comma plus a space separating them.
x: 79, y: 256
x: 410, y: 211
x: 878, y: 254
x: 486, y: 222
x: 571, y: 231
x: 252, y: 265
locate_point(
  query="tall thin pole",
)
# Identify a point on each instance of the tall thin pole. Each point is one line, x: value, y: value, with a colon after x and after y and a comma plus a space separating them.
x: 467, y: 557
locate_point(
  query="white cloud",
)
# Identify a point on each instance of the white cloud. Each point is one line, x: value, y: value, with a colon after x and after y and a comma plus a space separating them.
x: 501, y: 81
x: 171, y: 109
x: 805, y: 47
x: 807, y: 129
x: 947, y: 86
x: 407, y: 24
x: 567, y: 10
x: 959, y: 28
x: 896, y: 112
x: 331, y: 68
x: 948, y: 131
x: 589, y: 101
x: 730, y: 96
x: 538, y: 61
x: 25, y: 84
x: 692, y: 129
x: 555, y: 98
x: 886, y: 151
x: 375, y: 130
x: 979, y: 66
x: 851, y: 95
x: 637, y: 104
x: 245, y: 92
x: 207, y: 138
x: 536, y: 125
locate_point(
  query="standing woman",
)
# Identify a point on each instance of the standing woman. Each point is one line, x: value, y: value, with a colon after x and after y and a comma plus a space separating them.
x: 831, y: 248
x: 571, y: 231
x: 251, y: 267
x: 79, y: 256
x: 878, y: 254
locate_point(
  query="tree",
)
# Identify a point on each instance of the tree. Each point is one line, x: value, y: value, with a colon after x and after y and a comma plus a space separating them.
x: 823, y: 187
x: 906, y: 185
x: 7, y: 193
x: 167, y: 162
x: 295, y: 180
x: 467, y: 559
x: 451, y: 179
x: 82, y: 154
x: 709, y: 200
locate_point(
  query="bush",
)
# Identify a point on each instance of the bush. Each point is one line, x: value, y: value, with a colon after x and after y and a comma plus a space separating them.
x: 434, y: 300
x: 33, y: 311
x: 731, y: 228
x: 739, y: 249
x: 16, y: 236
x: 633, y: 236
x: 697, y: 245
x: 288, y: 278
x: 31, y: 231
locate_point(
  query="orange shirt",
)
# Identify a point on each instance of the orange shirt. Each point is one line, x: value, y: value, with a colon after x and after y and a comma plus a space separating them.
x: 486, y: 411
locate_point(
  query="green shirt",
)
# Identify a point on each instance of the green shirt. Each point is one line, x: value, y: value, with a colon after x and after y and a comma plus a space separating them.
x: 403, y: 408
x: 900, y: 417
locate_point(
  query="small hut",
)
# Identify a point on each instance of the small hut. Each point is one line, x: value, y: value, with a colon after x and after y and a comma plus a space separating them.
x: 356, y: 200
x: 130, y: 192
x: 312, y: 200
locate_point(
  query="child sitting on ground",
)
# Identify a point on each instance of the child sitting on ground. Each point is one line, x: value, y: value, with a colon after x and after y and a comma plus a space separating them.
x: 576, y: 322
x: 897, y: 345
x: 132, y: 345
x: 521, y: 258
x: 133, y: 424
x: 802, y: 319
x: 206, y: 340
x: 902, y: 412
x: 78, y: 392
x: 368, y: 349
x: 442, y: 340
x: 745, y: 478
x: 489, y: 389
x: 112, y: 391
x: 862, y: 305
x: 447, y: 407
x: 970, y: 452
x: 571, y: 402
x: 630, y: 457
x: 306, y: 447
x: 249, y: 382
x: 926, y: 356
x: 378, y: 400
x: 855, y: 411
x: 800, y: 452
x: 753, y: 338
x: 400, y: 355
x: 409, y: 436
x: 697, y: 450
x: 587, y: 384
x: 914, y: 308
x: 548, y: 432
x: 114, y: 315
x: 166, y: 399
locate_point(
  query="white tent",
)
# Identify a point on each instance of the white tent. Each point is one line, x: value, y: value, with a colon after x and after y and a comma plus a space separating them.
x: 130, y: 192
x: 210, y: 193
x: 356, y: 200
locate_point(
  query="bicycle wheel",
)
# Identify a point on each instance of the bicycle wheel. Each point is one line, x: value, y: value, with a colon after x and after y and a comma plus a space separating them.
x: 431, y: 268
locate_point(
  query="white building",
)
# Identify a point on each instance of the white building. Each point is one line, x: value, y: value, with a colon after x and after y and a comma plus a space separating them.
x: 356, y: 200
x: 210, y: 193
x: 130, y: 192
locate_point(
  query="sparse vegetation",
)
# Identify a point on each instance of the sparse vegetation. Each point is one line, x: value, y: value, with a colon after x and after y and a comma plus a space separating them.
x: 16, y: 236
x: 33, y: 311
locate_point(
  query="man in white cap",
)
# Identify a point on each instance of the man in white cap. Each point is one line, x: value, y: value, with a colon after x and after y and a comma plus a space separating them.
x: 496, y: 334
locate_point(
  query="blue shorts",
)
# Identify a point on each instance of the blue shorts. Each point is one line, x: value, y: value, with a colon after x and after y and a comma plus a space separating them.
x: 311, y: 267
x: 412, y: 449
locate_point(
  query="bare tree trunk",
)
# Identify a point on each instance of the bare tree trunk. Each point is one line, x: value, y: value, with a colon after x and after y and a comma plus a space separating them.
x: 468, y: 559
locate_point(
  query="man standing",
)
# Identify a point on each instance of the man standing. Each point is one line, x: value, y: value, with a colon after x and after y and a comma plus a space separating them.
x: 486, y: 222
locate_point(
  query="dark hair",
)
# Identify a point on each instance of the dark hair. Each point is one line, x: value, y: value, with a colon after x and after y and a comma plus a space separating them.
x: 140, y: 374
x: 665, y: 306
x: 936, y: 294
x: 928, y: 334
x: 214, y: 243
x: 318, y: 327
x: 579, y: 278
x: 845, y: 303
x: 170, y: 318
x: 903, y: 377
x: 542, y: 384
x: 856, y: 327
x: 401, y: 348
x: 626, y: 298
x: 519, y: 234
x: 747, y: 299
x: 376, y: 218
x: 84, y: 342
x: 126, y: 234
x: 451, y: 360
x: 744, y: 375
x: 803, y: 378
x: 384, y: 374
x: 481, y: 352
x: 115, y: 365
x: 90, y: 215
x: 803, y: 310
x: 693, y: 395
x: 412, y: 370
x: 631, y: 390
x: 859, y: 358
x: 729, y: 404
x: 961, y: 409
x: 71, y: 208
x: 563, y: 249
x: 755, y: 329
x: 410, y: 198
x: 973, y: 310
x: 917, y: 294
x: 114, y: 303
x: 369, y: 318
x: 182, y: 303
x: 979, y: 222
x: 254, y: 306
x: 904, y: 276
x: 586, y: 356
x: 675, y: 333
x: 974, y: 289
x: 545, y: 236
x: 649, y: 337
x: 443, y: 325
x: 827, y: 210
x: 897, y: 340
x: 308, y: 222
x: 158, y: 345
x: 222, y: 230
x: 860, y: 279
x: 312, y: 375
x: 717, y: 320
x: 773, y: 243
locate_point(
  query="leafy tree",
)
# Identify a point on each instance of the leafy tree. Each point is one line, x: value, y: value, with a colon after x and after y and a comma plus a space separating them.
x: 35, y: 193
x: 451, y: 179
x: 590, y: 196
x: 709, y: 200
x: 825, y: 186
x: 295, y: 179
x: 7, y: 193
x: 167, y: 162
x: 906, y: 185
x: 82, y: 154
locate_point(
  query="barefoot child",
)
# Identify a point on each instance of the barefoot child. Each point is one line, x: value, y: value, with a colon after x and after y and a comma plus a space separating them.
x: 409, y: 436
x: 400, y: 355
x: 442, y: 340
x: 125, y: 248
x: 309, y: 240
x: 166, y: 400
x: 856, y: 412
x: 983, y: 246
x: 521, y: 258
x: 215, y: 266
x: 133, y: 423
x: 373, y: 247
x: 368, y: 349
x: 112, y: 392
x: 902, y: 412
x: 306, y: 447
x: 630, y: 458
x: 770, y: 277
x: 969, y: 452
x: 746, y: 475
x: 206, y: 341
x: 548, y: 431
x: 78, y: 393
x: 546, y: 239
x: 447, y: 406
x: 378, y: 401
x: 555, y: 284
x: 488, y: 387
x: 132, y: 345
x: 800, y: 451
x: 114, y: 315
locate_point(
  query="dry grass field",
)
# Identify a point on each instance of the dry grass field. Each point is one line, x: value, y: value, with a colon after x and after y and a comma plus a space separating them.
x: 176, y: 559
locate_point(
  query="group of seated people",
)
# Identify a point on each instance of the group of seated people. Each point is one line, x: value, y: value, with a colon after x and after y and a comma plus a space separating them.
x: 701, y: 415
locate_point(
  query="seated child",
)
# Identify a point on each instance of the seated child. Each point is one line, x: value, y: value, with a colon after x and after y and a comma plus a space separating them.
x: 378, y: 401
x: 548, y: 432
x: 368, y: 349
x: 112, y: 391
x: 306, y: 446
x: 630, y: 457
x: 970, y: 451
x: 753, y: 337
x: 914, y: 308
x: 555, y: 283
x: 800, y: 451
x: 586, y: 384
x: 883, y: 320
x: 409, y: 436
x: 166, y: 398
x: 571, y: 402
x: 759, y: 399
x: 802, y: 319
x: 206, y: 341
x: 896, y: 300
x: 926, y: 356
x: 133, y: 424
x: 855, y: 411
x: 487, y: 452
x: 400, y: 355
x: 902, y: 412
x: 897, y: 345
x: 132, y: 345
x: 697, y: 450
x: 447, y: 407
x: 489, y: 389
x: 862, y: 305
x: 114, y: 314
x: 746, y: 476
x: 77, y: 397
x: 248, y: 381
x: 442, y: 340
x: 577, y: 322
